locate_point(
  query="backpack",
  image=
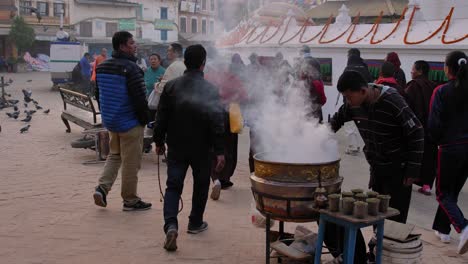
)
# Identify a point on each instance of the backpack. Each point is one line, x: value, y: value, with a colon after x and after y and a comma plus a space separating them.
x: 76, y: 73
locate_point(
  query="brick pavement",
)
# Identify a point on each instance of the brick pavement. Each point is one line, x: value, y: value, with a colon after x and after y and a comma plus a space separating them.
x: 47, y: 214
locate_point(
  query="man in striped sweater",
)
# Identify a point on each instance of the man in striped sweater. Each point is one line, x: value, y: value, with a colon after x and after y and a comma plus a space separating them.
x: 393, y: 136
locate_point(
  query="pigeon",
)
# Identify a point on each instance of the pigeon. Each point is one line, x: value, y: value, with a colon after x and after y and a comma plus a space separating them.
x: 13, y: 115
x: 27, y: 119
x: 13, y: 101
x: 15, y: 108
x: 7, y: 94
x: 10, y: 80
x: 26, y: 105
x: 47, y: 111
x: 35, y: 102
x: 29, y: 81
x: 30, y: 112
x: 25, y: 129
x: 26, y: 93
x: 38, y: 107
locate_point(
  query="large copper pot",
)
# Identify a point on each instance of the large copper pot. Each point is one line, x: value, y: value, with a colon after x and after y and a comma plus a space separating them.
x: 286, y: 191
x: 295, y: 172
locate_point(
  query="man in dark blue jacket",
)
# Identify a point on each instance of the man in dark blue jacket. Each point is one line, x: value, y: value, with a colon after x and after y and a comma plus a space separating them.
x: 121, y: 92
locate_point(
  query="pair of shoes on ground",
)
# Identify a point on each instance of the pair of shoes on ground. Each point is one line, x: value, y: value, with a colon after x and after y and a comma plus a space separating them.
x: 170, y: 244
x: 462, y: 246
x: 425, y: 189
x: 100, y: 199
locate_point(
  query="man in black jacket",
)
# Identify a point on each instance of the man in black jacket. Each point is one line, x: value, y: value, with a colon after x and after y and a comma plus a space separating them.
x: 356, y: 63
x: 120, y: 89
x: 190, y: 121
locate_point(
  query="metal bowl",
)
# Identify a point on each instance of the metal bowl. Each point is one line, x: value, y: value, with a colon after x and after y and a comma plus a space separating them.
x: 295, y: 172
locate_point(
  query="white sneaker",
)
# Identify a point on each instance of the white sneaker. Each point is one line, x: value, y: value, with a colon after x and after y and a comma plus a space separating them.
x: 463, y: 246
x: 443, y: 237
x: 216, y: 190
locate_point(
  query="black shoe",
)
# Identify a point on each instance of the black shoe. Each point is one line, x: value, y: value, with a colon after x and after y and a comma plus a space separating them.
x: 100, y: 197
x: 198, y: 229
x: 139, y: 206
x: 170, y: 244
x: 148, y: 148
x: 226, y: 184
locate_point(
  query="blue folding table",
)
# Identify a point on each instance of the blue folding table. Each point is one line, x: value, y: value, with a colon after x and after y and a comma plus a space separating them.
x: 351, y: 225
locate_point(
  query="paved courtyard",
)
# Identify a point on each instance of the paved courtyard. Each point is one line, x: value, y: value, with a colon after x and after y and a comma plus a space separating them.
x: 47, y: 214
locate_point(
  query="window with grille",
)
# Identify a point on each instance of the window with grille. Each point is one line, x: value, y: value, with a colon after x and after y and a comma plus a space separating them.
x: 212, y: 27
x: 194, y: 25
x: 139, y: 12
x: 58, y: 7
x: 203, y: 4
x: 212, y: 5
x: 164, y: 35
x: 183, y: 25
x: 86, y: 29
x: 111, y: 28
x: 24, y: 7
x: 203, y: 26
x: 43, y: 8
x: 163, y: 12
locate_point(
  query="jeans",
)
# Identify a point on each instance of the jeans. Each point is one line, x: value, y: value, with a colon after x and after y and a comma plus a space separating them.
x: 177, y: 166
x: 451, y: 177
x: 125, y: 150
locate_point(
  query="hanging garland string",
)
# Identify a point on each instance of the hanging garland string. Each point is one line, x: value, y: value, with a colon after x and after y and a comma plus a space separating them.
x: 321, y: 41
x: 449, y: 18
x: 325, y: 27
x: 349, y: 41
x: 242, y: 35
x: 402, y: 17
x: 281, y: 42
x: 274, y: 34
x: 247, y: 34
x: 407, y: 42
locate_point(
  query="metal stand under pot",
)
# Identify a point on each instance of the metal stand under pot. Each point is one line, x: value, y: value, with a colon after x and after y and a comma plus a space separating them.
x: 286, y: 191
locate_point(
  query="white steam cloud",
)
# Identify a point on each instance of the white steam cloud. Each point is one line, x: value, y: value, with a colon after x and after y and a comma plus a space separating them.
x: 278, y: 115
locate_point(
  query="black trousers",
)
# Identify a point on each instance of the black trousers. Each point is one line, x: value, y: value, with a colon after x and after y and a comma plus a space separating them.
x: 334, y: 240
x: 177, y: 167
x: 231, y: 141
x: 429, y: 164
x: 451, y: 177
x: 388, y: 180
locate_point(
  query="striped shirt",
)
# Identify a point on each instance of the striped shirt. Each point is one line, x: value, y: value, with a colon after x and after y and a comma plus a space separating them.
x: 391, y: 132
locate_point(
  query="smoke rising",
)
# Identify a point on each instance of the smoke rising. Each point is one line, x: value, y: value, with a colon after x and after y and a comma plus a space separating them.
x: 278, y: 115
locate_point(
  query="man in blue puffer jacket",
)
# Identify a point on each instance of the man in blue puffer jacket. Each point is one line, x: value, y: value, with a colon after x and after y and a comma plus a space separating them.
x: 121, y: 93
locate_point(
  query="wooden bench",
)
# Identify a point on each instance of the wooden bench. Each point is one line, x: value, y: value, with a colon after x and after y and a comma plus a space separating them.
x: 83, y: 102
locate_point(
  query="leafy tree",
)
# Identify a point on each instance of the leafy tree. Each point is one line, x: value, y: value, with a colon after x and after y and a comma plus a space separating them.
x: 22, y: 34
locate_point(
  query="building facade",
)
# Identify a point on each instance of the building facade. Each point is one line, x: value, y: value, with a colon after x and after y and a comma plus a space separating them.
x: 152, y: 22
x: 8, y: 11
x: 198, y: 21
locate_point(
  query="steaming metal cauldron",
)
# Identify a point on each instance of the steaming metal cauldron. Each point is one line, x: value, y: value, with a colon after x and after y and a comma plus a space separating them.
x: 286, y: 191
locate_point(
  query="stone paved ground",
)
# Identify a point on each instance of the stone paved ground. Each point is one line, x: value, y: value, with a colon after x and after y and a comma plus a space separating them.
x: 47, y: 214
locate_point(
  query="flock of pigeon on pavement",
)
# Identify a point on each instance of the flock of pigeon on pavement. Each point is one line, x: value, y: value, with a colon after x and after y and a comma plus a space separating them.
x: 28, y: 102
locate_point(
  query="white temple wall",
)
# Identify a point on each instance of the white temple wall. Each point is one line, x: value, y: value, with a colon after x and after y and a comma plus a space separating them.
x: 408, y: 55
